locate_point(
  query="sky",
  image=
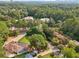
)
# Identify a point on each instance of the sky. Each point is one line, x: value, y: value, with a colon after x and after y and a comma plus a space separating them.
x: 28, y: 0
x: 41, y: 0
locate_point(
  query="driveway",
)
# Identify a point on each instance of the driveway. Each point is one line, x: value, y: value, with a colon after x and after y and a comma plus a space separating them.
x: 16, y: 39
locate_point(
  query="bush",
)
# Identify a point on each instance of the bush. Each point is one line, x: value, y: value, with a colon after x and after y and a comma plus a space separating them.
x: 14, y: 33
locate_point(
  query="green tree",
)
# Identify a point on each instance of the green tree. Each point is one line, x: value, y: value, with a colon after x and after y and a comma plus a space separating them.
x: 14, y: 33
x: 38, y: 41
x: 49, y: 33
x: 35, y: 30
x: 4, y: 31
x: 71, y: 44
x: 71, y: 28
x: 21, y: 24
x: 51, y: 22
x: 69, y: 52
x: 55, y: 41
x: 60, y: 46
x: 77, y: 49
x: 1, y: 47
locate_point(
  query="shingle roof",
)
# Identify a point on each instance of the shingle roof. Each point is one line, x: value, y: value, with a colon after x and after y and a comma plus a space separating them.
x: 15, y: 47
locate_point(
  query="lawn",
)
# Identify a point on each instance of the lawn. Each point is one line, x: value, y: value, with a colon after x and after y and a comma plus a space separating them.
x: 24, y: 40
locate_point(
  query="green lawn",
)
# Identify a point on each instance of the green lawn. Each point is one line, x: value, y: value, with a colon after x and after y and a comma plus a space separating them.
x: 24, y: 40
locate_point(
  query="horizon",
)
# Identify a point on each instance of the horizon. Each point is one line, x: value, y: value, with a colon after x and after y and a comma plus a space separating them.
x: 55, y: 1
x: 28, y: 0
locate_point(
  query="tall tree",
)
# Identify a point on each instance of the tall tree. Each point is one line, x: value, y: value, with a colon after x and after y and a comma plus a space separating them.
x: 38, y: 41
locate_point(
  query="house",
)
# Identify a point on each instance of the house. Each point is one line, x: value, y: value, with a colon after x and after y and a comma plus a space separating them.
x: 15, y: 48
x: 45, y: 19
x: 28, y: 18
x: 13, y: 28
x: 28, y: 56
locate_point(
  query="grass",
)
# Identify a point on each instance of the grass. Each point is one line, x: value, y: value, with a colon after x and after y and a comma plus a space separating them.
x: 24, y: 40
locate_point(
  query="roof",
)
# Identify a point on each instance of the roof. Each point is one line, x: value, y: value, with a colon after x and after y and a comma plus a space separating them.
x: 45, y: 19
x: 15, y: 47
x: 29, y: 17
x: 28, y: 56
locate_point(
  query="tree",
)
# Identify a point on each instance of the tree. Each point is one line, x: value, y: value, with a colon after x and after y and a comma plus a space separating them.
x: 1, y: 41
x: 21, y: 24
x: 14, y: 33
x: 71, y: 28
x: 60, y: 46
x: 71, y: 44
x: 49, y: 33
x: 69, y: 52
x: 4, y: 31
x: 55, y: 41
x: 44, y: 27
x: 1, y: 47
x: 77, y: 49
x: 51, y: 22
x: 38, y: 41
x: 35, y: 30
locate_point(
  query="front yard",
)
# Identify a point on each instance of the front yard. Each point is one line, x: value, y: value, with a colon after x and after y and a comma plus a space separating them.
x: 24, y: 40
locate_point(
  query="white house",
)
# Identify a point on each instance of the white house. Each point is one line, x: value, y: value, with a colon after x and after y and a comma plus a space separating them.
x: 45, y: 19
x: 28, y: 18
